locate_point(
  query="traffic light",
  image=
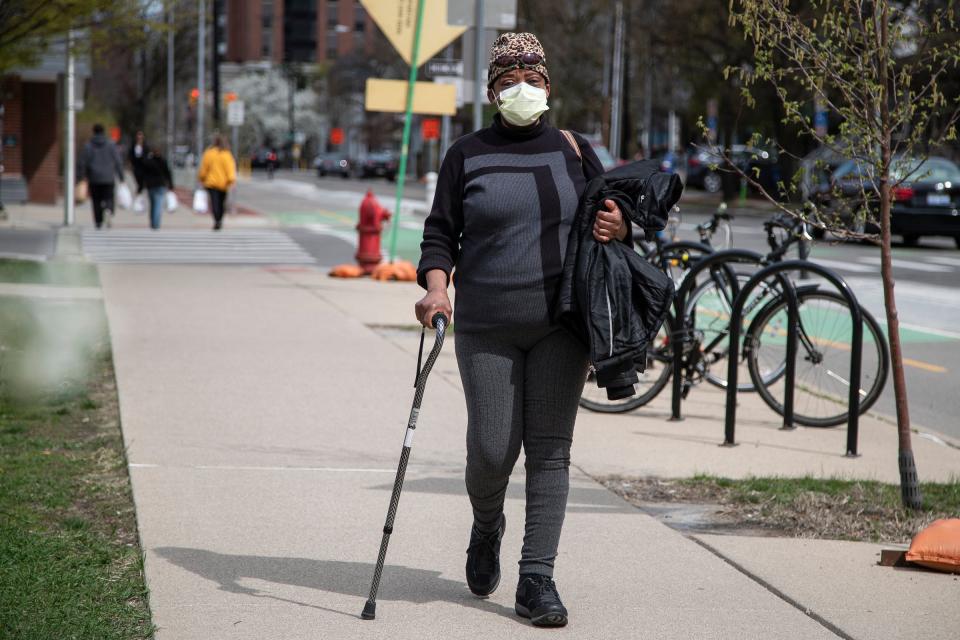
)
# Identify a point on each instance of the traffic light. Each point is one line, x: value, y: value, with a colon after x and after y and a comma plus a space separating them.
x: 194, y: 96
x: 229, y: 97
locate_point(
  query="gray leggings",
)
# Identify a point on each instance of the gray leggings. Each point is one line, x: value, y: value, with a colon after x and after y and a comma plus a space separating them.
x: 522, y: 388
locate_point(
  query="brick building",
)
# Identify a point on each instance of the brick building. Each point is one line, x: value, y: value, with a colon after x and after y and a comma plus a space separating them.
x: 296, y: 30
x: 32, y: 157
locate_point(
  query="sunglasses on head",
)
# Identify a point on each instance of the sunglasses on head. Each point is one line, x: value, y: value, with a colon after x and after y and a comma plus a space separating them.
x: 524, y: 59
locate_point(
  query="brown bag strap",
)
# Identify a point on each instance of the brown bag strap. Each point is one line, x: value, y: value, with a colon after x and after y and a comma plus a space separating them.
x: 573, y: 143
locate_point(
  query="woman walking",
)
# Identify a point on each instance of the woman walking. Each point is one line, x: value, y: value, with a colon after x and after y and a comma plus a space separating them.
x: 155, y: 177
x: 218, y: 172
x: 506, y: 197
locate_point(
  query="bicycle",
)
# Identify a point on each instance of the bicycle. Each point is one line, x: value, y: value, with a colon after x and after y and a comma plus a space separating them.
x: 819, y: 382
x: 718, y: 225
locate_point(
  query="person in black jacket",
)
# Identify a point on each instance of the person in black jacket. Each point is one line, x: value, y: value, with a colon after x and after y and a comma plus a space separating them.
x: 155, y: 177
x: 100, y: 164
x: 505, y: 201
x: 138, y: 150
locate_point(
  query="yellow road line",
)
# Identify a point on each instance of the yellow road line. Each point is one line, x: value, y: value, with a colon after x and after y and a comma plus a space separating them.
x: 910, y: 362
x: 926, y: 366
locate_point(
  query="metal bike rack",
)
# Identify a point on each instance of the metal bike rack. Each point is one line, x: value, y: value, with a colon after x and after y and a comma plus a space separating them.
x: 718, y: 258
x: 856, y: 351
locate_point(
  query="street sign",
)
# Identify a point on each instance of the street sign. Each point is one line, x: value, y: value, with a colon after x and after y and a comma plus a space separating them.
x: 429, y: 98
x: 397, y: 19
x: 444, y: 68
x: 497, y: 14
x: 235, y: 113
x: 336, y: 135
x: 430, y: 129
x: 454, y: 81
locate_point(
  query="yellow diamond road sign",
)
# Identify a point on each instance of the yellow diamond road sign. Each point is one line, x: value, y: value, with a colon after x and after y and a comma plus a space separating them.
x: 398, y: 19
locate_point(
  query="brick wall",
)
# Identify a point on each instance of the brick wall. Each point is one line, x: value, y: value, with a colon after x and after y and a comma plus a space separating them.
x: 41, y: 148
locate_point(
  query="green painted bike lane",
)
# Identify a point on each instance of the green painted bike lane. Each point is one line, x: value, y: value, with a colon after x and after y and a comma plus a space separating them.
x: 409, y: 235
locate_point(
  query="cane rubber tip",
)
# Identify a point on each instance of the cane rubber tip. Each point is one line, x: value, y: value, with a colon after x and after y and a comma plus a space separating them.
x: 369, y: 610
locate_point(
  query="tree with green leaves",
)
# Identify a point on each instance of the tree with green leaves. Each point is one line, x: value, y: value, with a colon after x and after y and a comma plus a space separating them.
x: 27, y: 27
x: 880, y: 67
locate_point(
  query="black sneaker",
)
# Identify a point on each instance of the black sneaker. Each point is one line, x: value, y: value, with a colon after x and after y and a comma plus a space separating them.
x: 483, y: 560
x: 537, y: 599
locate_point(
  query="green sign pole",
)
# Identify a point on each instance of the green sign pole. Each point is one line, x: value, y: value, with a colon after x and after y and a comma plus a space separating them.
x: 407, y: 120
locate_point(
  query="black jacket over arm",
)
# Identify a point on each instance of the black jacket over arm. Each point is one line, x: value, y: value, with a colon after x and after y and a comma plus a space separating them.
x: 610, y: 296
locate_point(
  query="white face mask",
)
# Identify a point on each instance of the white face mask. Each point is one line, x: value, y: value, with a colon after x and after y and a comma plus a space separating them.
x: 522, y: 104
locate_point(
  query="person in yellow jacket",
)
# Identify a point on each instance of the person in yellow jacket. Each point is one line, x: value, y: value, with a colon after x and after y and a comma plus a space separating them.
x: 218, y: 172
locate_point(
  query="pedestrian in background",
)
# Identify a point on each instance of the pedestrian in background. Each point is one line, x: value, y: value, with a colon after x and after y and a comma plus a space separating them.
x: 217, y: 174
x: 156, y: 178
x: 137, y: 152
x: 506, y: 198
x: 100, y: 165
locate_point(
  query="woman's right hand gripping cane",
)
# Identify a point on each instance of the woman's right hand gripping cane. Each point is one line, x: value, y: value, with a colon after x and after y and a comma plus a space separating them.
x: 435, y: 300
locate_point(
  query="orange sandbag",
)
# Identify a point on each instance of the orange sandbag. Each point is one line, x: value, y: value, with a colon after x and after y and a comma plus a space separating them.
x: 399, y: 270
x: 346, y: 271
x: 937, y: 546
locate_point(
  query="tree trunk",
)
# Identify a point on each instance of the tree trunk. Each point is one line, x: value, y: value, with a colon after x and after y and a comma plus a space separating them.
x: 909, y: 483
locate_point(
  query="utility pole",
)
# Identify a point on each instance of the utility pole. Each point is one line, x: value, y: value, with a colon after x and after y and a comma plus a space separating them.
x: 478, y: 88
x: 648, y: 87
x: 617, y: 84
x: 445, y: 120
x: 201, y: 81
x: 216, y: 63
x: 69, y: 150
x: 171, y: 105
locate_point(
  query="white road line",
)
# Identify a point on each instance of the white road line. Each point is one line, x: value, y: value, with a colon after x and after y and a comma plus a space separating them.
x: 899, y: 263
x: 193, y: 247
x: 953, y: 262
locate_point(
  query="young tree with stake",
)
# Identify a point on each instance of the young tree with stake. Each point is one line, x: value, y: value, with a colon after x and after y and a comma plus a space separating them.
x: 881, y: 67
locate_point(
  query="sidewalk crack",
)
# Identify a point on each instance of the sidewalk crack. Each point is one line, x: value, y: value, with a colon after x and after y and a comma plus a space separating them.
x: 829, y: 626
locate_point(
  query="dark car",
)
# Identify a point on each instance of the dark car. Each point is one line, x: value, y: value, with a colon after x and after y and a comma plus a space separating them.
x: 263, y: 158
x: 705, y: 167
x: 379, y: 164
x: 926, y: 198
x: 332, y: 164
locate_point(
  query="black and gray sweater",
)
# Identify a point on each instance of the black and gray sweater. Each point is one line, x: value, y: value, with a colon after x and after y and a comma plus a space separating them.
x: 502, y: 213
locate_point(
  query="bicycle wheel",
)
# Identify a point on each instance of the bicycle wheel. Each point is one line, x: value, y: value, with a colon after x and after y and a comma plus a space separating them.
x: 652, y: 381
x: 823, y: 358
x: 708, y: 309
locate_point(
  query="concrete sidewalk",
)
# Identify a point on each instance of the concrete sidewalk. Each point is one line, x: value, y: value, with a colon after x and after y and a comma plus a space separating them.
x: 263, y: 414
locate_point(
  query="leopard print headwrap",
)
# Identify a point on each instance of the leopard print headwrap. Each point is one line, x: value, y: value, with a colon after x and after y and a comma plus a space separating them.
x: 515, y: 43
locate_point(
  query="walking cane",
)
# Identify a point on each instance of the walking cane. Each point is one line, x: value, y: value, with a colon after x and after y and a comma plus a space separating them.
x: 439, y: 322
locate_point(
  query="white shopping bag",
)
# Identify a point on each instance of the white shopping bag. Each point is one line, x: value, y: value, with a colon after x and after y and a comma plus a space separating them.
x: 200, y: 204
x: 139, y: 204
x: 124, y: 197
x: 172, y: 202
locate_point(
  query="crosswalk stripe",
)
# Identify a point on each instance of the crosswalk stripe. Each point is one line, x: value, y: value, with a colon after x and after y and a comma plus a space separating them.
x: 193, y: 247
x: 907, y: 264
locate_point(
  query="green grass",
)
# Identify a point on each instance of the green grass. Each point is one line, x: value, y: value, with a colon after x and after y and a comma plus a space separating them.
x: 64, y: 274
x: 937, y: 497
x: 70, y: 561
x: 801, y: 507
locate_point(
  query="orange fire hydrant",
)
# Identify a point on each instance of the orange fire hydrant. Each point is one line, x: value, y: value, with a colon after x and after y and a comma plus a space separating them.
x: 372, y: 215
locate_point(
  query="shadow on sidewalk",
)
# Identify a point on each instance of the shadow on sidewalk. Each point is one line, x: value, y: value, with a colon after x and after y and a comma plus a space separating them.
x: 418, y: 586
x: 580, y: 500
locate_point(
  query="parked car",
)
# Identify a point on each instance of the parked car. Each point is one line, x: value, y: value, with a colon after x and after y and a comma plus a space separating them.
x: 333, y: 163
x: 264, y: 158
x: 926, y: 199
x: 704, y: 167
x: 379, y: 164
